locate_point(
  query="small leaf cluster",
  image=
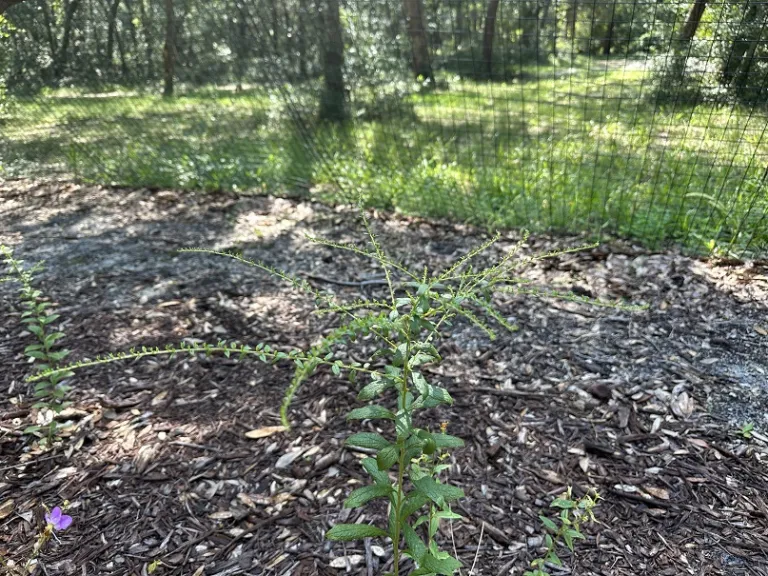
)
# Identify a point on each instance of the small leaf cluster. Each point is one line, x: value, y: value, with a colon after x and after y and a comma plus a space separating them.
x: 565, y: 529
x: 45, y: 353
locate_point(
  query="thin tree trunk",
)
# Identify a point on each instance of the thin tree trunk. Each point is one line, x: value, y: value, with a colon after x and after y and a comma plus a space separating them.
x: 332, y: 101
x: 607, y: 42
x: 692, y: 20
x: 488, y: 33
x: 302, y: 39
x: 62, y: 57
x: 571, y: 15
x: 111, y: 13
x: 738, y: 48
x: 5, y: 4
x: 146, y: 27
x: 169, y: 51
x: 417, y: 32
x: 458, y: 33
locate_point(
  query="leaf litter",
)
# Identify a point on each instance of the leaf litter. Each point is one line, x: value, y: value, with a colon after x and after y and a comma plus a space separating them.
x: 184, y: 461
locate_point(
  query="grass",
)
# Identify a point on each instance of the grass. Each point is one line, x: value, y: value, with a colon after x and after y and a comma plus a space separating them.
x: 585, y: 148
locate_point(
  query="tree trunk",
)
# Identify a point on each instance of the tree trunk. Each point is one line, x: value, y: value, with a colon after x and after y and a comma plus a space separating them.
x: 302, y: 39
x: 69, y: 16
x: 571, y: 15
x: 741, y: 76
x: 146, y: 27
x: 459, y: 31
x: 417, y: 32
x: 332, y: 101
x: 111, y: 13
x: 488, y: 34
x: 692, y: 20
x: 169, y: 50
x: 5, y: 4
x: 739, y: 47
x: 607, y: 42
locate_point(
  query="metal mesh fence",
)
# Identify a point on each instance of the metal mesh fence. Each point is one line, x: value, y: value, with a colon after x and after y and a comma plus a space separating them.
x: 643, y: 119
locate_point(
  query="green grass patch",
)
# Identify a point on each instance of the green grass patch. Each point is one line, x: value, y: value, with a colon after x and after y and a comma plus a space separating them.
x: 585, y: 148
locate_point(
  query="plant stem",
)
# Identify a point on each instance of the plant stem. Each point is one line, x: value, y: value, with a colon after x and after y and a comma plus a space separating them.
x: 401, y: 460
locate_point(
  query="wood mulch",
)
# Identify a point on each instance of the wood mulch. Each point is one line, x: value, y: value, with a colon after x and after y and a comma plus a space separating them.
x: 644, y: 407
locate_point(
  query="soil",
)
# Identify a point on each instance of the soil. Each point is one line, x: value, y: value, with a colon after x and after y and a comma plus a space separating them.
x: 645, y: 407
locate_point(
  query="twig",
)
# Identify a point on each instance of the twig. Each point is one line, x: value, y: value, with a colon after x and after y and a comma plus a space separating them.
x: 368, y: 557
x: 477, y: 552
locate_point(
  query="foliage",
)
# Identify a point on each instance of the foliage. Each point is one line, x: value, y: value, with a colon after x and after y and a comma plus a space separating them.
x: 746, y: 430
x: 565, y: 529
x: 45, y: 354
x: 406, y: 327
x: 55, y: 521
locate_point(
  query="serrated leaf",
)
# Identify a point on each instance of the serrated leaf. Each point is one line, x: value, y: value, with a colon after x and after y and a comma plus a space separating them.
x: 370, y: 413
x: 387, y: 457
x: 349, y: 532
x: 373, y: 389
x: 413, y: 502
x: 370, y: 465
x: 416, y: 546
x: 370, y: 440
x: 360, y: 496
x: 438, y: 493
x: 447, y: 441
x: 446, y: 566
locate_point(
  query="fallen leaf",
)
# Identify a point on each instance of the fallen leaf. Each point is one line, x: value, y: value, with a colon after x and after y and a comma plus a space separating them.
x: 659, y: 493
x: 683, y: 405
x: 698, y: 442
x: 584, y: 464
x: 762, y: 331
x: 287, y: 459
x: 344, y: 561
x: 265, y: 432
x: 6, y: 508
x: 159, y: 398
x: 223, y: 515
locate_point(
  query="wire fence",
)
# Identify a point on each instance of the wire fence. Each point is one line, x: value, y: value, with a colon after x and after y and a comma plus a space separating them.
x: 642, y: 119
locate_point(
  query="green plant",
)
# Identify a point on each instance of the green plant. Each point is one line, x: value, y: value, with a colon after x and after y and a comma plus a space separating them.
x: 45, y: 354
x: 564, y: 529
x: 746, y: 430
x: 406, y: 465
x: 55, y: 521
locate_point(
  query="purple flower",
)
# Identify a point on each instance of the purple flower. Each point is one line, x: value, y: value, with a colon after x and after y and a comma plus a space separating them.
x: 58, y: 520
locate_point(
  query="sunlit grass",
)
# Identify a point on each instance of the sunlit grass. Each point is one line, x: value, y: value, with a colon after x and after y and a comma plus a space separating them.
x: 572, y: 149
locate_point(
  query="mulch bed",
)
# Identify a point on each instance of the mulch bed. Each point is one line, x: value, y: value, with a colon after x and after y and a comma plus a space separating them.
x: 644, y: 407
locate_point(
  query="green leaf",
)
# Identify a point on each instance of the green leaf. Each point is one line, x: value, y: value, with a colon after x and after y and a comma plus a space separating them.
x: 421, y: 383
x: 413, y: 502
x: 51, y: 338
x: 447, y: 441
x: 446, y: 566
x: 548, y: 523
x: 36, y: 330
x: 365, y: 494
x: 416, y: 546
x: 370, y: 440
x: 575, y: 534
x: 349, y: 532
x: 370, y: 413
x: 33, y: 347
x: 50, y: 318
x: 438, y: 493
x: 387, y: 457
x: 562, y: 503
x: 370, y: 465
x: 373, y: 389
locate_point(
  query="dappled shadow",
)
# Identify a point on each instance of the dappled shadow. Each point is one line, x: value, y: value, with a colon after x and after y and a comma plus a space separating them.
x: 164, y: 438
